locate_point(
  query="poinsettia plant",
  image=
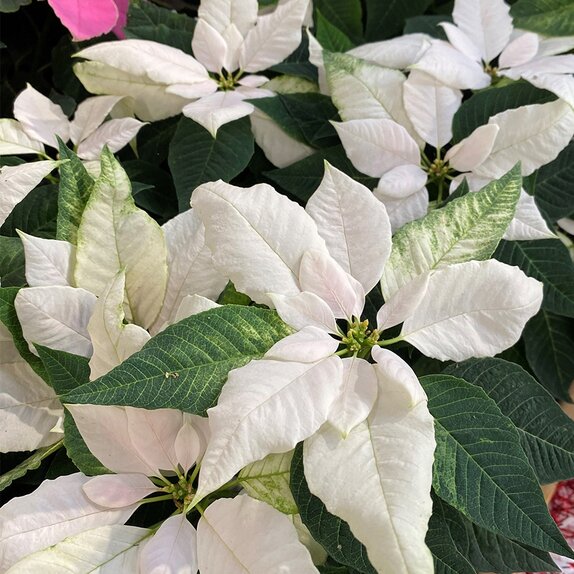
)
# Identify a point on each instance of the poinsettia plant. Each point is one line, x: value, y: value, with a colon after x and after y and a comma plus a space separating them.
x: 288, y: 286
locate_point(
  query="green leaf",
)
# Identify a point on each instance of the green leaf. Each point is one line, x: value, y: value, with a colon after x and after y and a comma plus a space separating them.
x: 151, y: 22
x: 344, y: 15
x: 36, y: 214
x: 12, y: 262
x: 9, y: 317
x: 65, y: 371
x: 230, y: 296
x: 477, y: 110
x: 297, y: 63
x: 387, y: 19
x: 547, y: 17
x: 157, y: 195
x: 31, y: 463
x: 268, y: 480
x: 465, y: 229
x: 447, y: 557
x: 197, y: 353
x: 75, y: 189
x: 546, y: 432
x: 460, y: 191
x: 304, y: 117
x: 554, y: 187
x: 547, y: 260
x: 330, y: 37
x: 327, y: 529
x: 484, y: 550
x: 481, y: 469
x: 195, y: 157
x: 12, y: 5
x: 548, y: 341
x: 303, y: 177
x: 428, y: 24
x: 78, y: 451
x: 154, y: 138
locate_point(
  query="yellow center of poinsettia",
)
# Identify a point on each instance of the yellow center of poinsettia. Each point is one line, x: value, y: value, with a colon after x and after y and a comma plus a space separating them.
x: 359, y: 338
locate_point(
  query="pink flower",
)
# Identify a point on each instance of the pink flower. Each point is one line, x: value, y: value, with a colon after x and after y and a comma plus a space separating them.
x: 90, y: 18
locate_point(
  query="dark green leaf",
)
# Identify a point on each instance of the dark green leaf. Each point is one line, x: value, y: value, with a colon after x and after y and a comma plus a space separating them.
x: 65, y: 371
x: 387, y: 19
x: 546, y: 432
x: 153, y: 140
x: 547, y: 260
x: 447, y: 557
x: 9, y: 317
x: 36, y: 214
x: 158, y: 195
x: 185, y: 366
x: 486, y: 551
x: 329, y: 530
x: 330, y: 37
x: 547, y: 17
x: 297, y: 63
x: 549, y: 341
x: 230, y: 296
x: 195, y: 157
x: 481, y: 469
x: 344, y: 15
x: 78, y: 451
x: 304, y: 117
x: 554, y: 186
x: 476, y: 111
x: 428, y: 24
x: 11, y: 160
x: 75, y: 189
x: 12, y: 262
x: 303, y: 177
x: 151, y: 22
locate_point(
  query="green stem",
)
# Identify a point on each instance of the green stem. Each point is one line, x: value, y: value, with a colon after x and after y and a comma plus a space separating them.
x: 440, y: 189
x: 30, y: 463
x: 156, y: 499
x: 387, y: 342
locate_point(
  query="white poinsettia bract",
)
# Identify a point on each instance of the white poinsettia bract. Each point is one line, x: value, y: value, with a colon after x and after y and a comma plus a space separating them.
x: 231, y: 44
x: 317, y: 385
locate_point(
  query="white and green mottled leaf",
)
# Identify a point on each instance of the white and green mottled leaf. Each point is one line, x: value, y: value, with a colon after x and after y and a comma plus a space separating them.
x: 468, y: 228
x: 113, y: 235
x: 268, y: 480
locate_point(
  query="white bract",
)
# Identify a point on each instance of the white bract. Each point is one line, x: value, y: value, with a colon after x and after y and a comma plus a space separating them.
x: 483, y: 31
x: 384, y: 149
x: 78, y: 519
x: 306, y: 389
x: 39, y: 121
x: 97, y: 299
x: 231, y: 44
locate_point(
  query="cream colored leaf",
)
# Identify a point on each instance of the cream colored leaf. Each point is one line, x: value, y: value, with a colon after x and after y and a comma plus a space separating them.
x: 113, y: 235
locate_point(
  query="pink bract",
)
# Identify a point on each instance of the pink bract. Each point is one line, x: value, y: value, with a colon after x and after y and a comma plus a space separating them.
x: 90, y: 18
